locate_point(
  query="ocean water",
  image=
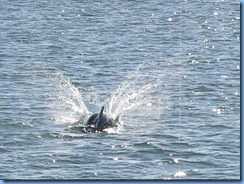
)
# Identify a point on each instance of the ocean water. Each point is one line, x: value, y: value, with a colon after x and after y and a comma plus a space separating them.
x: 169, y: 71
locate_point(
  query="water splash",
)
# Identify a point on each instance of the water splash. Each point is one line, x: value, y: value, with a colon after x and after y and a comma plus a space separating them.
x: 65, y: 101
x: 135, y: 92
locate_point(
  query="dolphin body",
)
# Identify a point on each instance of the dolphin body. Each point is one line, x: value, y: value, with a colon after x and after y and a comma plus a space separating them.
x: 98, y: 122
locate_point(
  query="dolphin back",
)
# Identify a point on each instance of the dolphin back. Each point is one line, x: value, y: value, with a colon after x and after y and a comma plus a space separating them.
x: 103, y: 122
x: 99, y: 121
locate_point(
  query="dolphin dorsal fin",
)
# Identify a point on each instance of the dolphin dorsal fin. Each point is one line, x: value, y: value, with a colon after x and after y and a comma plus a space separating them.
x: 99, y: 116
x: 101, y: 112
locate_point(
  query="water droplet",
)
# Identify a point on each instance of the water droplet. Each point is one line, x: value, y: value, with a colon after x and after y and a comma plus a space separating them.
x: 194, y: 61
x: 176, y: 160
x: 180, y: 174
x: 149, y: 104
x: 236, y: 93
x: 218, y: 111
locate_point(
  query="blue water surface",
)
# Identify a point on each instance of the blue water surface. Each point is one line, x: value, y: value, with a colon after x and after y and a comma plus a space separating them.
x: 167, y: 71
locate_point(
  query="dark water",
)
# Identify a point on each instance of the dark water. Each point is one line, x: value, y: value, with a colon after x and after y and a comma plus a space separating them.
x: 169, y: 69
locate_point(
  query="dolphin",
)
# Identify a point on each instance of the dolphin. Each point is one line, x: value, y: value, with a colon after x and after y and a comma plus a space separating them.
x: 98, y: 122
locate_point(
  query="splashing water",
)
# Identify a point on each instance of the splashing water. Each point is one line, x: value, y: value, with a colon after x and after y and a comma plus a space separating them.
x: 135, y: 93
x: 65, y: 101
